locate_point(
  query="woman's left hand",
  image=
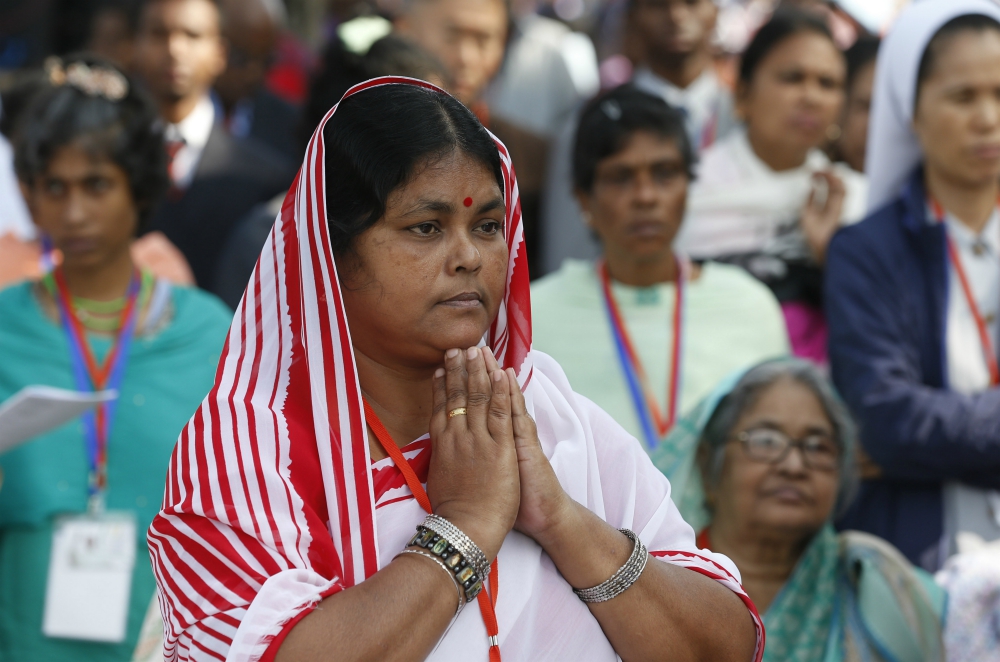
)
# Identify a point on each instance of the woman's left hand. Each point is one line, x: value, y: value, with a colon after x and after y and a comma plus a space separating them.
x: 544, y: 503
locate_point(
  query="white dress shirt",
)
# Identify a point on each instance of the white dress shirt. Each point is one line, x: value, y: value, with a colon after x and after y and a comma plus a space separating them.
x: 969, y: 510
x: 706, y: 103
x: 548, y: 70
x: 194, y: 131
x: 980, y: 256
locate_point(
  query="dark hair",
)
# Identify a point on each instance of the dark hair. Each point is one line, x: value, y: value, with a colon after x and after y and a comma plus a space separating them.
x: 342, y: 69
x: 964, y: 23
x: 127, y: 9
x: 393, y: 55
x: 609, y: 120
x: 720, y: 426
x: 25, y: 84
x: 785, y: 23
x: 863, y: 52
x: 126, y: 131
x: 378, y: 138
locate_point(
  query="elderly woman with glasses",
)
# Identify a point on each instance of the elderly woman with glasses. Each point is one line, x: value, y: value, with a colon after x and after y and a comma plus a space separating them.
x: 760, y: 468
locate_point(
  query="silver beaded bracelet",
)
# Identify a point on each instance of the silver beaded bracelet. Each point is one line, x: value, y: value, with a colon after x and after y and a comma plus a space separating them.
x: 461, y: 591
x: 626, y: 575
x: 461, y: 542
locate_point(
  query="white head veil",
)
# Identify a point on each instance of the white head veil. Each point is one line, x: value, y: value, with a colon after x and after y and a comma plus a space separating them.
x: 893, y: 150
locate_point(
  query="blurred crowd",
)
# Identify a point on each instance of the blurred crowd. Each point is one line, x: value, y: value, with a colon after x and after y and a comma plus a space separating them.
x: 787, y: 294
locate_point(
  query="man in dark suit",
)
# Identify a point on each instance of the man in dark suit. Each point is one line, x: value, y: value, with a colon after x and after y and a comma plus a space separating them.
x: 217, y: 179
x: 251, y: 31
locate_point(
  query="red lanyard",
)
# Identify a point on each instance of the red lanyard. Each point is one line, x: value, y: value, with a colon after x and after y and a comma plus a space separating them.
x: 984, y: 335
x: 654, y: 422
x: 109, y: 375
x: 487, y: 602
x: 98, y: 374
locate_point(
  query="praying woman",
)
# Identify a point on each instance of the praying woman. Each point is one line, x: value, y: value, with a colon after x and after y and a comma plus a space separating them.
x: 383, y: 448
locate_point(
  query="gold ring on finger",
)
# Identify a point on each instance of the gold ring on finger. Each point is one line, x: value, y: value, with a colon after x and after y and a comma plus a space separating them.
x: 460, y: 411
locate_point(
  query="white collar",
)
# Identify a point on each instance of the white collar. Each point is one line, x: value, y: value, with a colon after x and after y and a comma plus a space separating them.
x: 965, y: 239
x: 197, y: 126
x: 702, y: 89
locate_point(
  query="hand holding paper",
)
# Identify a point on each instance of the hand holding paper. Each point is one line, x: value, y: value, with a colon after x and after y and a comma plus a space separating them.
x: 35, y: 410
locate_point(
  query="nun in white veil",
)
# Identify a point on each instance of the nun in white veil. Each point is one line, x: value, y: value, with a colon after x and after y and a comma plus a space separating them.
x: 913, y: 291
x: 894, y: 150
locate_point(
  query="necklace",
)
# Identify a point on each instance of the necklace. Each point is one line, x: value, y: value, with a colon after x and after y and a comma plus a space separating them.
x: 102, y: 316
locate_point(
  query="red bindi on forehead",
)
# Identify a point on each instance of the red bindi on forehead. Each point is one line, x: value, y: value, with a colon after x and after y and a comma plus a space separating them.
x: 467, y: 202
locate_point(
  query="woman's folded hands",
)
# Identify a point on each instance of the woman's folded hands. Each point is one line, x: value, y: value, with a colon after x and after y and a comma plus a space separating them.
x: 488, y: 473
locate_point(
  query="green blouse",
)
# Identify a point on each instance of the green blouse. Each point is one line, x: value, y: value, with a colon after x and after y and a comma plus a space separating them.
x: 731, y: 322
x: 169, y: 372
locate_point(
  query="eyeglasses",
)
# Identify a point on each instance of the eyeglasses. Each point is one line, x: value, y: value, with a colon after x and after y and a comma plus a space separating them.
x: 818, y: 450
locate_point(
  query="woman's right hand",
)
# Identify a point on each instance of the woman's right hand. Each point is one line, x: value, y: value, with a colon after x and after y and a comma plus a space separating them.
x: 822, y: 212
x: 473, y: 477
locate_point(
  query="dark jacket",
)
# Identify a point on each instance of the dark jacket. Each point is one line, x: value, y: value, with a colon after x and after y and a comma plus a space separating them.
x: 232, y: 177
x: 275, y: 123
x: 886, y: 303
x: 238, y: 257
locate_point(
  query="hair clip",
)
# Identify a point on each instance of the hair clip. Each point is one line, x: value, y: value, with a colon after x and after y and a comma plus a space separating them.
x: 612, y: 110
x: 91, y: 80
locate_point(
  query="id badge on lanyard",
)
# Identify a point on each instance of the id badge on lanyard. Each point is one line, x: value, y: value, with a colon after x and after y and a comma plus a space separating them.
x: 93, y: 555
x: 90, y: 577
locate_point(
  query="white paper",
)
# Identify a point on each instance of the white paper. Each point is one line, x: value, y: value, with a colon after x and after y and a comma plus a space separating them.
x: 37, y: 409
x: 90, y: 578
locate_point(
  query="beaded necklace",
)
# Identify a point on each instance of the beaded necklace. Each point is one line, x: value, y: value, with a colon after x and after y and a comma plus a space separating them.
x: 103, y: 316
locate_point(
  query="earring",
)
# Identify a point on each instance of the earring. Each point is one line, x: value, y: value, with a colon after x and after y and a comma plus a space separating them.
x: 833, y: 133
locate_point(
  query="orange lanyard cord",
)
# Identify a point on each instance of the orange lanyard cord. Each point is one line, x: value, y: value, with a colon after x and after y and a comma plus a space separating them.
x: 663, y: 423
x: 390, y: 447
x: 487, y: 603
x: 989, y: 354
x: 984, y: 335
x: 98, y: 373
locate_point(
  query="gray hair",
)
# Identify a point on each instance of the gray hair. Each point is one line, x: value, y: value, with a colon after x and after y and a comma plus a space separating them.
x: 719, y: 429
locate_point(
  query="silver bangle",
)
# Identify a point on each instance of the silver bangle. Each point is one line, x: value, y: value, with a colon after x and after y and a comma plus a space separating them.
x: 461, y: 542
x: 626, y: 575
x: 461, y: 591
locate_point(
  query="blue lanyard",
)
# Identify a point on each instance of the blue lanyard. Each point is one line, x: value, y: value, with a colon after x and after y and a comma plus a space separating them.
x: 638, y: 397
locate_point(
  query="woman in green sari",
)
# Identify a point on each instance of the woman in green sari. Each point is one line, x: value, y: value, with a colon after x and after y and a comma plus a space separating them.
x: 760, y: 468
x: 75, y: 578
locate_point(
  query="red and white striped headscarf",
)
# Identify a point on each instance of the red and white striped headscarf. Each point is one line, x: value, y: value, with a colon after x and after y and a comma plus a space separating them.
x: 235, y: 517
